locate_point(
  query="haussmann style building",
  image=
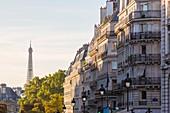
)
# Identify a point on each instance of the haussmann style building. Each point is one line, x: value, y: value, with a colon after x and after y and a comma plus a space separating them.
x: 73, y: 85
x: 101, y: 61
x: 165, y: 56
x: 139, y: 41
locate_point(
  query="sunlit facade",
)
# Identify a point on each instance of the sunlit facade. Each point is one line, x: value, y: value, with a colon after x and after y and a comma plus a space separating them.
x: 73, y: 85
x: 139, y: 40
x: 101, y: 61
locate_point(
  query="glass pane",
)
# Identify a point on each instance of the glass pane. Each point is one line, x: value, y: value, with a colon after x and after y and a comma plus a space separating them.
x: 114, y: 65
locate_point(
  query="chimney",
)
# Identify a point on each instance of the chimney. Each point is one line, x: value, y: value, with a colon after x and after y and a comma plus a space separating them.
x: 109, y: 7
x: 3, y: 85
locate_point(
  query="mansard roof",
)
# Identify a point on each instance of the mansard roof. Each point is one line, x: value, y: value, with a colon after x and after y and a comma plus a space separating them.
x: 9, y: 92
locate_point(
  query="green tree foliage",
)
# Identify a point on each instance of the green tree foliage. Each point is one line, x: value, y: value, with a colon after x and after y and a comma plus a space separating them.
x: 44, y: 95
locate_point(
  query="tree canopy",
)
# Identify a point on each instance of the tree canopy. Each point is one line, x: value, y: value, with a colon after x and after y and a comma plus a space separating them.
x: 43, y: 94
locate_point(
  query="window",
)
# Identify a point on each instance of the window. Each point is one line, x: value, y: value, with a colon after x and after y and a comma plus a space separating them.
x: 143, y: 28
x: 114, y: 65
x: 114, y: 46
x: 143, y: 94
x: 143, y: 49
x: 144, y: 6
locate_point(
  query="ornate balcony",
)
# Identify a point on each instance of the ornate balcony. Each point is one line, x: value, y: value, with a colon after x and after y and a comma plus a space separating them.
x: 144, y: 58
x: 140, y: 15
x: 147, y: 81
x: 145, y: 14
x: 138, y: 82
x: 141, y: 36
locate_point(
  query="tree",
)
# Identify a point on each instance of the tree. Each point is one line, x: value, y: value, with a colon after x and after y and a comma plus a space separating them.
x: 45, y: 94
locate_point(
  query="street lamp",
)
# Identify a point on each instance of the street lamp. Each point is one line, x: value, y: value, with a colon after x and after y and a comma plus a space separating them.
x: 73, y: 104
x: 149, y: 110
x: 64, y: 108
x: 102, y: 91
x: 84, y: 98
x: 128, y: 84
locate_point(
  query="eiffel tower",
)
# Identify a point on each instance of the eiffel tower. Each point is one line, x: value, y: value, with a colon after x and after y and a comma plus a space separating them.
x: 30, y: 65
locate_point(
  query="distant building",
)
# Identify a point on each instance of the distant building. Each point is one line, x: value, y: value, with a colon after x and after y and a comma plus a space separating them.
x: 18, y: 90
x: 10, y: 98
x: 30, y: 65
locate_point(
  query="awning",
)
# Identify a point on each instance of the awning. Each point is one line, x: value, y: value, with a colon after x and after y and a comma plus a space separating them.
x: 141, y: 71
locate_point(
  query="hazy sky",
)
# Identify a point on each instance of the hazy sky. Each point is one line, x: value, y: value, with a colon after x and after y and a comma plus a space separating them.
x: 57, y: 29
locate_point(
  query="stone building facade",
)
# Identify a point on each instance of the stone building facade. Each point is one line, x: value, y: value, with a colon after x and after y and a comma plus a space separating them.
x: 98, y: 66
x: 10, y: 98
x: 73, y: 85
x: 139, y: 40
x: 101, y: 61
x: 165, y: 56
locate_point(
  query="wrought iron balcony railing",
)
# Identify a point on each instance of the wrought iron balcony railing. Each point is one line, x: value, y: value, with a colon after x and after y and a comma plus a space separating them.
x: 146, y: 81
x: 145, y: 14
x: 144, y: 58
x: 138, y: 15
x: 139, y: 81
x: 144, y: 35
